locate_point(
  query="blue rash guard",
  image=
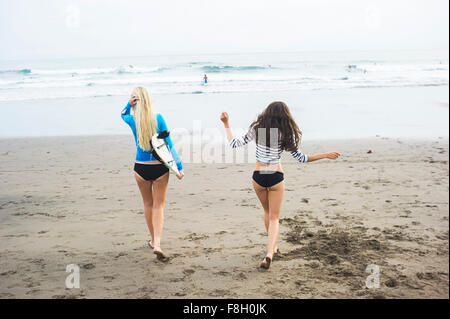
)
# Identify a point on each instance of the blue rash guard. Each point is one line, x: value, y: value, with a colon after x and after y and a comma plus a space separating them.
x: 145, y: 156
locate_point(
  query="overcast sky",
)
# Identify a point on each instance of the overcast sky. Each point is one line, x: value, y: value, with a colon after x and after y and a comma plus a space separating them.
x: 102, y: 28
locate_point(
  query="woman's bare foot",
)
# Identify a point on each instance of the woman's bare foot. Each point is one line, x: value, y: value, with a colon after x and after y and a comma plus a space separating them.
x: 266, y: 262
x: 160, y: 254
x: 150, y: 244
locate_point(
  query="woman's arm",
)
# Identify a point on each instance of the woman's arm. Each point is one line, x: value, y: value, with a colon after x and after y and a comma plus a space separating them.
x: 235, y: 142
x: 303, y: 158
x: 126, y: 112
x: 226, y: 123
x: 329, y: 155
x: 162, y: 126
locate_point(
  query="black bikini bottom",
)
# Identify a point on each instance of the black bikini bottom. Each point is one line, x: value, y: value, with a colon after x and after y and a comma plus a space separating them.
x: 267, y: 178
x: 150, y: 172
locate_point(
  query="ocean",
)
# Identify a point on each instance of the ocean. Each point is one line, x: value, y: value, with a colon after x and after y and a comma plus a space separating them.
x: 393, y: 92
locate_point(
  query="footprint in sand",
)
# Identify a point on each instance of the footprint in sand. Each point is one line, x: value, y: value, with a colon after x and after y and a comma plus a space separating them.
x: 222, y: 273
x: 240, y: 276
x: 7, y: 273
x: 195, y: 236
x: 118, y: 244
x: 109, y: 278
x: 120, y: 255
x: 180, y: 294
x: 188, y: 272
x: 33, y: 291
x: 176, y: 280
x: 391, y: 283
x: 426, y: 275
x: 88, y: 266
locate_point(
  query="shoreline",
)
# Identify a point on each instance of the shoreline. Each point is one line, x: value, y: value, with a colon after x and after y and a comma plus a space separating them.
x: 419, y: 112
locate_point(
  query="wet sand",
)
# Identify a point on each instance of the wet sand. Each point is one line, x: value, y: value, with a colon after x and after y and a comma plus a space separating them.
x: 73, y: 200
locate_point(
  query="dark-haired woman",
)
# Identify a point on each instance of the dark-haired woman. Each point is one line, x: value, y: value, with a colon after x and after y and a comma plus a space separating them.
x: 274, y: 131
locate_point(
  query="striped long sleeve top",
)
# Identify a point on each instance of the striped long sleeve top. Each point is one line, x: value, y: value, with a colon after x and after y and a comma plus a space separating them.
x: 266, y: 154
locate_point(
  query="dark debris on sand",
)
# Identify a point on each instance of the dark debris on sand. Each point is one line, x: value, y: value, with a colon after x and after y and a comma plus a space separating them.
x: 341, y: 256
x: 332, y: 244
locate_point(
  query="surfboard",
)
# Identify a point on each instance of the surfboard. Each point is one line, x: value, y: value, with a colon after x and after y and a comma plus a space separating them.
x: 161, y: 151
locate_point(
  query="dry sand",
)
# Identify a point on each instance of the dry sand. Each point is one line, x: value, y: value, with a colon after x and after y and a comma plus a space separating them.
x: 74, y: 200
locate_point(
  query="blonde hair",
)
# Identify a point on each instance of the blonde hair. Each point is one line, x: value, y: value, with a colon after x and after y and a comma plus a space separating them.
x: 144, y: 117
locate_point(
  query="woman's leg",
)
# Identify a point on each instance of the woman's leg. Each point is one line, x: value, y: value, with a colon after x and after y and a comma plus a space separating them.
x: 146, y: 191
x: 275, y: 199
x: 263, y: 196
x: 159, y: 198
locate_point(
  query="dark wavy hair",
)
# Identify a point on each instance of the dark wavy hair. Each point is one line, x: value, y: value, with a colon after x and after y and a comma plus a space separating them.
x: 278, y: 116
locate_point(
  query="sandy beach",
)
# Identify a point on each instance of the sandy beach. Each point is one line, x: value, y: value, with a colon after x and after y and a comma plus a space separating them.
x: 73, y: 200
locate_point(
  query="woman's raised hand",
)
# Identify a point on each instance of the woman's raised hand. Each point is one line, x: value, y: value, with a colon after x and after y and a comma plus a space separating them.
x: 332, y: 155
x: 133, y: 100
x: 224, y: 117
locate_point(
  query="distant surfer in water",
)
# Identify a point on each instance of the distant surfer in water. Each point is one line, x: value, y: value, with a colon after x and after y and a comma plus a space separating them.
x: 274, y: 131
x: 205, y: 80
x: 151, y: 175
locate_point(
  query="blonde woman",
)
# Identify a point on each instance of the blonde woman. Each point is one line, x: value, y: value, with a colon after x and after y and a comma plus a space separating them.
x: 151, y: 175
